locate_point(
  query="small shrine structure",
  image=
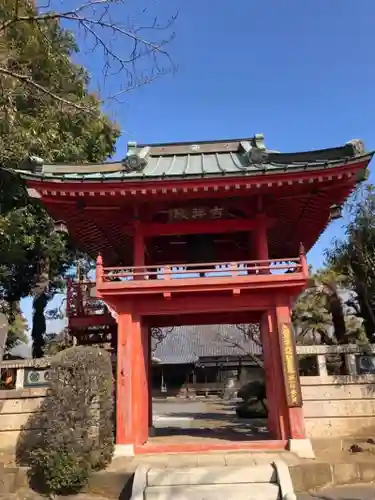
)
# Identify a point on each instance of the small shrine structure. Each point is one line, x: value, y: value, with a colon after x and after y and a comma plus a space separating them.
x: 197, y: 233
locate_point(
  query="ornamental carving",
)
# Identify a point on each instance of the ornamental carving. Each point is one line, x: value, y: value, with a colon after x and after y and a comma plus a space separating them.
x: 134, y: 163
x: 358, y: 147
x: 257, y: 156
x: 136, y: 159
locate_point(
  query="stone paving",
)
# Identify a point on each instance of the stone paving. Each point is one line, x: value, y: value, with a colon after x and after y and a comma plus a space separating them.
x: 203, y: 460
x: 359, y: 492
x: 203, y: 419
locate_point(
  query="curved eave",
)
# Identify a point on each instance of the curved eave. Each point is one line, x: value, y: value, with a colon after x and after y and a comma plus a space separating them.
x: 268, y: 169
x: 309, y: 244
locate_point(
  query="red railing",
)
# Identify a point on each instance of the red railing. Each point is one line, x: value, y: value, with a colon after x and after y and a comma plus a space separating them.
x: 81, y: 300
x: 205, y: 270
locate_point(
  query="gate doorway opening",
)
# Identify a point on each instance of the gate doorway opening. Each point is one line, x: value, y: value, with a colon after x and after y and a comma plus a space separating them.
x: 135, y: 423
x: 208, y: 384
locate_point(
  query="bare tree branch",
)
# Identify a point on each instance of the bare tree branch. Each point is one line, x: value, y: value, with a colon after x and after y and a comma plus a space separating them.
x: 251, y: 334
x: 159, y: 335
x: 126, y: 50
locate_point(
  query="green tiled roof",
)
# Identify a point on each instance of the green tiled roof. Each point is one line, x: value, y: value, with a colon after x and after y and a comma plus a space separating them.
x: 202, y: 159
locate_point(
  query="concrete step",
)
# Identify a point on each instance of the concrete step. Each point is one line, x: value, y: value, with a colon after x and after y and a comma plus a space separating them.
x: 211, y: 475
x: 217, y: 459
x: 214, y: 492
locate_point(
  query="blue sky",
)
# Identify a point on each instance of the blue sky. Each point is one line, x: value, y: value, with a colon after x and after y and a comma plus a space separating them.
x: 300, y: 71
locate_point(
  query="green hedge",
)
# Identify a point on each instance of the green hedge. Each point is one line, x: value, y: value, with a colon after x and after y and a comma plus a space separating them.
x: 72, y: 433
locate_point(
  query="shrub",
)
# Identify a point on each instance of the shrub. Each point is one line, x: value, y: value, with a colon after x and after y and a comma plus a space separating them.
x: 254, y: 404
x: 72, y: 434
x: 255, y: 390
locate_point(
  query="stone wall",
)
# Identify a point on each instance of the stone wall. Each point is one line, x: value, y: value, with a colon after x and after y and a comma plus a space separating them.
x: 16, y: 408
x: 22, y: 399
x: 338, y: 405
x: 335, y: 405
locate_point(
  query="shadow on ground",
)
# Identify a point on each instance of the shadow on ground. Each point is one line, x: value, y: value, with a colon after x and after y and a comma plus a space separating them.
x: 219, y: 422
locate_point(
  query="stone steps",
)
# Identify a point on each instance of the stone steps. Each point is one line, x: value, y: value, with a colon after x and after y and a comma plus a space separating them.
x: 213, y: 459
x: 211, y: 475
x: 214, y: 492
x: 267, y: 481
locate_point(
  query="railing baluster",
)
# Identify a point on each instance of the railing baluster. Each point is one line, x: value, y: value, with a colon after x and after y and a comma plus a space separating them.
x: 167, y: 273
x: 69, y: 297
x: 99, y: 270
x: 140, y: 273
x: 234, y: 269
x: 303, y: 261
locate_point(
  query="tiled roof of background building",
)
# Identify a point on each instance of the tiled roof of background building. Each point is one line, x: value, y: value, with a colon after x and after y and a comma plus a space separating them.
x: 186, y: 344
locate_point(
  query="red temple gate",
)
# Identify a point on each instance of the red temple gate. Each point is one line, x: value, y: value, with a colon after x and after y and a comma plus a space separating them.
x: 192, y: 234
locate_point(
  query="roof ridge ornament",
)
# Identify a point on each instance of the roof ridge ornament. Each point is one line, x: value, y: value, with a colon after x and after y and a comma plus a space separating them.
x: 358, y: 147
x: 32, y: 164
x: 257, y: 156
x: 258, y: 142
x: 135, y: 160
x: 255, y: 150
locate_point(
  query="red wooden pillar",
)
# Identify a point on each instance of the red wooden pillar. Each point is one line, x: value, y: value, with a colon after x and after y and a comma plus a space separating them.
x: 123, y: 411
x: 149, y: 376
x: 132, y: 381
x: 260, y: 245
x: 273, y: 370
x: 294, y: 415
x: 261, y: 238
x: 139, y: 247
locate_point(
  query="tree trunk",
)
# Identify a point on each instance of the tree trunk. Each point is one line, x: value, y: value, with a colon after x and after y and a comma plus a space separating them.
x: 364, y: 287
x: 38, y: 331
x: 40, y: 302
x: 3, y: 334
x: 366, y: 310
x: 338, y: 317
